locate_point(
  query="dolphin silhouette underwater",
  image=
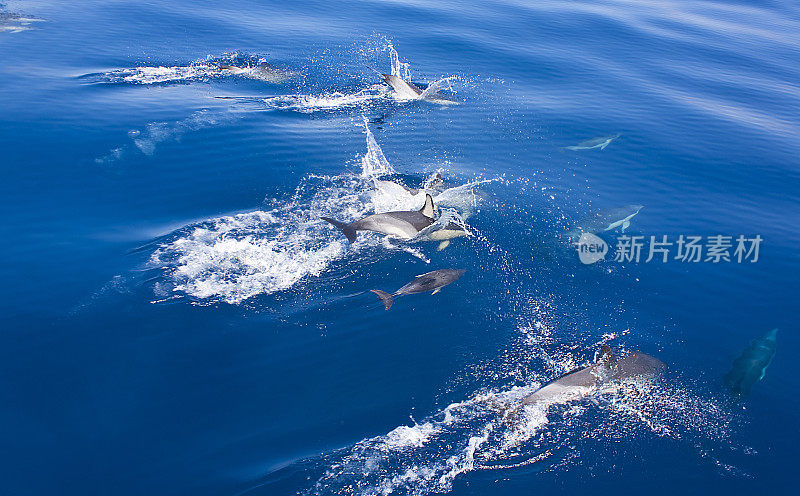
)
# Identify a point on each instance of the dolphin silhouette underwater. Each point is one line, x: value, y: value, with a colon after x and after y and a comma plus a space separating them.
x: 406, y: 90
x: 608, y: 370
x: 11, y: 22
x: 602, y: 142
x: 429, y: 281
x: 403, y: 225
x: 606, y: 220
x: 751, y: 366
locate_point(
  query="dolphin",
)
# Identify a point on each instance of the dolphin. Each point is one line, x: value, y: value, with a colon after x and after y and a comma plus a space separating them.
x: 403, y: 225
x: 751, y: 365
x: 606, y: 220
x: 406, y: 90
x: 607, y: 370
x: 429, y: 281
x: 445, y: 234
x: 602, y: 142
x: 625, y: 221
x: 11, y: 22
x: 394, y: 188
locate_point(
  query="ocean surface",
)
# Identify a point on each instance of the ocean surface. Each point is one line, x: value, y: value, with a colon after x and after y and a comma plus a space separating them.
x: 175, y: 318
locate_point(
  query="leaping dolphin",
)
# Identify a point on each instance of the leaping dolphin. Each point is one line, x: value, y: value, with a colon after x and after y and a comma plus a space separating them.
x: 602, y: 142
x: 406, y: 90
x: 430, y: 281
x: 403, y: 225
x: 752, y: 364
x: 608, y: 369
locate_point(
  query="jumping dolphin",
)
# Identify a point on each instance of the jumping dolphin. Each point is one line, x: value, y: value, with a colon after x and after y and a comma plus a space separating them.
x: 608, y: 369
x: 752, y: 364
x: 601, y: 143
x: 430, y: 281
x: 403, y: 225
x: 409, y: 91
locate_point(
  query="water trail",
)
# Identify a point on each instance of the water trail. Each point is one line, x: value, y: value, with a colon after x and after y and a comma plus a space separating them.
x: 427, y: 457
x: 147, y: 140
x: 211, y: 67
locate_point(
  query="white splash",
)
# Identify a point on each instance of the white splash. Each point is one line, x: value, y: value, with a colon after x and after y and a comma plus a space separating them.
x: 233, y: 258
x: 399, y: 69
x: 235, y: 64
x: 374, y: 163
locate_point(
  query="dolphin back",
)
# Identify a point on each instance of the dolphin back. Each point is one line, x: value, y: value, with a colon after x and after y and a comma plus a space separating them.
x: 637, y: 365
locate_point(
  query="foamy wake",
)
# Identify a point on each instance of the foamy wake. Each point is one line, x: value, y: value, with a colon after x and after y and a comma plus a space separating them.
x: 233, y: 258
x: 428, y: 456
x: 248, y: 66
x: 490, y: 431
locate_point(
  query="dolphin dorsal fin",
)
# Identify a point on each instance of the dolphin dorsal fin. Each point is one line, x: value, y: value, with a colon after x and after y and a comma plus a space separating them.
x: 427, y: 209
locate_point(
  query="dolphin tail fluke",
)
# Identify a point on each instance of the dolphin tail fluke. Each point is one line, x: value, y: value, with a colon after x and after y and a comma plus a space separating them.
x: 385, y: 297
x: 347, y: 229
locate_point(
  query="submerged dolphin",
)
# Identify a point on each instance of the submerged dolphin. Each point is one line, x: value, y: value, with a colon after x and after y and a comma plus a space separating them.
x: 15, y: 23
x: 608, y: 369
x: 626, y: 213
x: 606, y: 220
x: 752, y: 364
x: 430, y: 281
x: 602, y: 142
x: 403, y: 225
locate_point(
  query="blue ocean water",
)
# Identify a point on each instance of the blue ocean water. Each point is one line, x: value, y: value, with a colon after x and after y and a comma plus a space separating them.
x: 177, y: 320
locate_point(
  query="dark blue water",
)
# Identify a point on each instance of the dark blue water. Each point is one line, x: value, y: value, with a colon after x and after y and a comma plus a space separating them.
x: 177, y: 320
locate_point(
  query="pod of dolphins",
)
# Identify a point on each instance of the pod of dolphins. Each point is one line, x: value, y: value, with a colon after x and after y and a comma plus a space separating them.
x: 601, y: 376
